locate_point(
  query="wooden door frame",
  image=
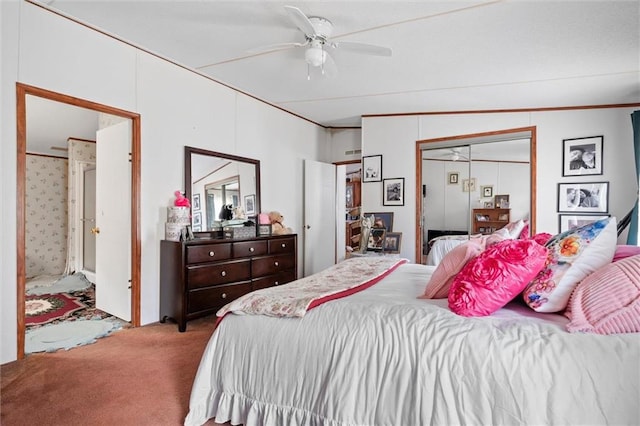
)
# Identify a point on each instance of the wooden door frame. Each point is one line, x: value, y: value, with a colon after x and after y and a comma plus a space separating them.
x: 22, y: 90
x: 499, y: 135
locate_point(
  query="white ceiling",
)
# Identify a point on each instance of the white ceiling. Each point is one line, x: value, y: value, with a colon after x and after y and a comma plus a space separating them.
x: 447, y: 55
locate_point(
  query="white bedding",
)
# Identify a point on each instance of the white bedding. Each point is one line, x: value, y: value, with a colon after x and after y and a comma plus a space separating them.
x: 383, y: 357
x: 440, y: 246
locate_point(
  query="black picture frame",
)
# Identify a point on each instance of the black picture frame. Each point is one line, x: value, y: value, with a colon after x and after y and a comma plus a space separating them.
x: 250, y: 204
x: 372, y: 168
x: 582, y: 156
x: 583, y: 197
x: 486, y: 191
x: 454, y: 178
x: 393, y: 192
x: 392, y: 242
x: 567, y: 222
x: 376, y: 239
x: 382, y: 218
x: 196, y: 202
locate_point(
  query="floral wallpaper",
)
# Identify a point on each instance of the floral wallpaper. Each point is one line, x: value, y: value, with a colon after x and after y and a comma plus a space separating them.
x: 46, y: 215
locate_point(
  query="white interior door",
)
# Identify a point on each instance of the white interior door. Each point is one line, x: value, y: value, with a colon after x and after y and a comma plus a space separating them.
x: 319, y: 216
x: 113, y: 220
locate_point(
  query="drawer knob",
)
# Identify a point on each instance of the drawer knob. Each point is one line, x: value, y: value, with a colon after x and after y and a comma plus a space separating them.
x: 224, y: 295
x: 223, y: 273
x: 211, y: 254
x: 276, y: 263
x: 283, y: 245
x: 276, y: 283
x: 251, y: 249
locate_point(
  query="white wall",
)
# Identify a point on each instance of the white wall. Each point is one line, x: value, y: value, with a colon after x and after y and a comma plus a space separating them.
x: 394, y: 138
x: 177, y: 108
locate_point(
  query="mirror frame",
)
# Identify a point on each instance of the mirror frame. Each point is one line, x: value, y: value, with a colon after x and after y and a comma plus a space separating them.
x: 470, y: 139
x: 189, y: 150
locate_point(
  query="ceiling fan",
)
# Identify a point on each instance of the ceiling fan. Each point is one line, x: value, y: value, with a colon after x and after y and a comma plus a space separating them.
x: 317, y: 32
x: 452, y: 154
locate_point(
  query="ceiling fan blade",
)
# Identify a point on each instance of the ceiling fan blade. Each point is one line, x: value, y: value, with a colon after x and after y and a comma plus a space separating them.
x: 301, y: 21
x: 277, y: 46
x: 329, y: 67
x: 367, y: 49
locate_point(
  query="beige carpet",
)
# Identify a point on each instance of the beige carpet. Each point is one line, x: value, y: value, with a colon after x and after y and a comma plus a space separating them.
x: 139, y: 376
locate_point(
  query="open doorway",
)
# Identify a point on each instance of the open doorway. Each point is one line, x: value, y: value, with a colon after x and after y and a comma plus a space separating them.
x: 131, y: 241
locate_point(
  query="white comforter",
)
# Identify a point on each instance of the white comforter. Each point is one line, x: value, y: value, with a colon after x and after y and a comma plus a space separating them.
x: 383, y: 357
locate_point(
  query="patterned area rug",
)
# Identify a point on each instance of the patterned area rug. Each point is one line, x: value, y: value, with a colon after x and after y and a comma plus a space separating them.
x: 86, y: 310
x: 50, y: 307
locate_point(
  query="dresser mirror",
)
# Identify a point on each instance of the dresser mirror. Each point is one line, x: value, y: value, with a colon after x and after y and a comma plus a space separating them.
x: 215, y: 182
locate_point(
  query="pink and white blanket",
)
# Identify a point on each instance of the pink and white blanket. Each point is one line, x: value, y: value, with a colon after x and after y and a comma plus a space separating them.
x: 297, y: 297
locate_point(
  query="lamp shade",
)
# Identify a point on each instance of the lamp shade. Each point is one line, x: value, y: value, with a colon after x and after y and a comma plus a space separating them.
x: 315, y: 56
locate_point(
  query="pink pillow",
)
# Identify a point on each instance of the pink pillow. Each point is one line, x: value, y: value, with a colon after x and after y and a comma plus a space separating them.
x: 497, y: 275
x: 623, y: 251
x: 451, y: 264
x: 542, y: 238
x: 608, y: 300
x: 525, y: 230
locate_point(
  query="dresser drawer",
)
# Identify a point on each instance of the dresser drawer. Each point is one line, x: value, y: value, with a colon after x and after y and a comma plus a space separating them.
x: 269, y: 265
x: 208, y: 253
x: 272, y: 280
x: 206, y: 275
x: 282, y: 245
x: 249, y: 248
x: 214, y: 298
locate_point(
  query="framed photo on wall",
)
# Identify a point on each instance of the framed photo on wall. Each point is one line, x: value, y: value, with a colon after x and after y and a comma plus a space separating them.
x: 486, y: 191
x: 469, y: 185
x: 587, y: 197
x: 393, y: 192
x: 454, y: 178
x: 582, y: 156
x: 196, y: 202
x: 250, y: 204
x: 568, y: 222
x: 372, y: 168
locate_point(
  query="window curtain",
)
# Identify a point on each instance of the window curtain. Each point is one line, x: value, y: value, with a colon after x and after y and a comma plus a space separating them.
x: 632, y: 237
x: 80, y: 152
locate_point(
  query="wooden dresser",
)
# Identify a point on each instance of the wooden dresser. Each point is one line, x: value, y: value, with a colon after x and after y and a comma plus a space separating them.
x: 486, y: 221
x: 199, y: 277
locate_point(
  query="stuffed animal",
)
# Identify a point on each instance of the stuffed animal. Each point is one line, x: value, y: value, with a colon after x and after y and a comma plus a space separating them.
x: 238, y: 213
x: 226, y: 212
x: 277, y: 227
x: 181, y: 200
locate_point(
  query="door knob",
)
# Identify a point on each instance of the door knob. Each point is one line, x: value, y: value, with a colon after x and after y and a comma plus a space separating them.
x: 95, y: 230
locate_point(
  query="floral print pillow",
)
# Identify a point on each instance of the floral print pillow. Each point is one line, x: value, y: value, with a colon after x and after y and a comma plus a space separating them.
x: 573, y: 255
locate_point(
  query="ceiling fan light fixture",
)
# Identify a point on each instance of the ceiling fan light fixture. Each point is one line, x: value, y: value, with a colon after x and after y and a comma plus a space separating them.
x: 315, y: 56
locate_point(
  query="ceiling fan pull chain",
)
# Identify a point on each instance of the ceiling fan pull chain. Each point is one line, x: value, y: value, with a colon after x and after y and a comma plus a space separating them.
x: 308, y: 72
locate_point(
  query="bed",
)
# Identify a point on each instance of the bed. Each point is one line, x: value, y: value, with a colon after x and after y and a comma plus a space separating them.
x: 440, y: 246
x: 381, y: 356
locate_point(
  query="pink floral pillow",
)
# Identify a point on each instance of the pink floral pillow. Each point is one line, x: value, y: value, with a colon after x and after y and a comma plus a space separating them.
x: 451, y: 264
x: 495, y: 277
x: 573, y: 255
x: 542, y: 238
x: 608, y: 300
